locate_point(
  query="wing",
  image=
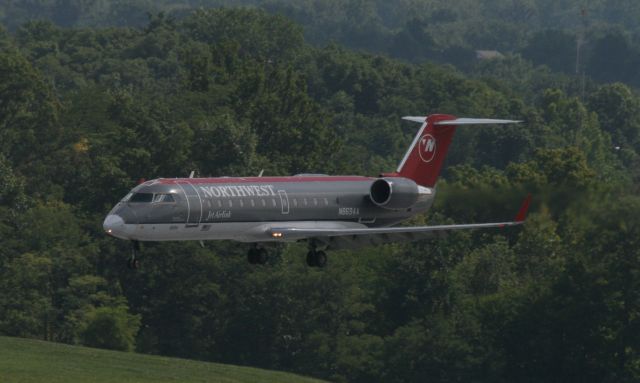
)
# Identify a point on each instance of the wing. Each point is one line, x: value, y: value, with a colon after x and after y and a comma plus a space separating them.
x: 342, y: 238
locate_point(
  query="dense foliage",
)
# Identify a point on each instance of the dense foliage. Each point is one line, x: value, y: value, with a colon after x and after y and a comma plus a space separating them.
x: 85, y: 113
x: 596, y: 37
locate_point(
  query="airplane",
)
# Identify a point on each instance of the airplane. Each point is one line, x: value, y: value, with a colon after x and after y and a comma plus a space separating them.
x: 328, y: 212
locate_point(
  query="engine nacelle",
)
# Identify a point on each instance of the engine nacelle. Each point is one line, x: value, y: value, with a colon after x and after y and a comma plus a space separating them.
x: 394, y: 193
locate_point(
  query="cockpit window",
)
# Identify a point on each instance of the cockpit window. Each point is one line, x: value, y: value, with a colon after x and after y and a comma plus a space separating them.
x: 165, y: 198
x: 141, y: 197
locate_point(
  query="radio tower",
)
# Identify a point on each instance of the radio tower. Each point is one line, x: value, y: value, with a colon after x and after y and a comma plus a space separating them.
x: 580, y: 40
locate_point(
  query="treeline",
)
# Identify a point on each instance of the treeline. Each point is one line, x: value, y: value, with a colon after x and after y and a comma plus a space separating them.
x: 594, y: 38
x: 86, y: 113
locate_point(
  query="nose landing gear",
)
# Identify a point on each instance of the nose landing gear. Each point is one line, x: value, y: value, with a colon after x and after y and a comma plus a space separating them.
x: 133, y: 262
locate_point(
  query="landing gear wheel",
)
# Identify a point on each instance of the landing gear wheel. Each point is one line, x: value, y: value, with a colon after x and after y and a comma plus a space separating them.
x: 257, y: 256
x: 316, y: 258
x: 311, y: 259
x: 133, y: 264
x: 263, y: 256
x: 321, y: 259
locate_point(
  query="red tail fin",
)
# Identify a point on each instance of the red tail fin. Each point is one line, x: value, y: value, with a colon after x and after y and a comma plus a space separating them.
x: 424, y: 158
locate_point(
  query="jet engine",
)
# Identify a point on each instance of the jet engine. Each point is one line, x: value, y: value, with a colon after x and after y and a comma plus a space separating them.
x: 394, y: 193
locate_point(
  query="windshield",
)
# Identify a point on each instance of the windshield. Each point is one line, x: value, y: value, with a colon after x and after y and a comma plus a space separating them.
x: 150, y: 197
x: 141, y: 197
x: 163, y: 198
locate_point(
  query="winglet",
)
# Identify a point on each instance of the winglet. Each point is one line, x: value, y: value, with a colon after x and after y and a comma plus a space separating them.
x: 524, y: 208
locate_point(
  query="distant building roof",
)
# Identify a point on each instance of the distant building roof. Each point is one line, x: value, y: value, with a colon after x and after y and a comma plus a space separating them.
x: 488, y: 55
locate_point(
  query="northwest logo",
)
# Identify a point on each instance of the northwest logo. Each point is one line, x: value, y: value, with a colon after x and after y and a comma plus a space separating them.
x: 427, y: 147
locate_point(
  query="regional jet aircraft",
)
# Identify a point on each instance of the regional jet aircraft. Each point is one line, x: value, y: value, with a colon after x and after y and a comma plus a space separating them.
x: 328, y: 212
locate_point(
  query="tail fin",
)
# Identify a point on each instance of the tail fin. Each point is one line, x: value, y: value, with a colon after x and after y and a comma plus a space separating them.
x: 423, y: 160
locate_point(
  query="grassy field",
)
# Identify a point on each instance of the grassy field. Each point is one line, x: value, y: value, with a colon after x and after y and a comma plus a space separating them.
x: 27, y: 360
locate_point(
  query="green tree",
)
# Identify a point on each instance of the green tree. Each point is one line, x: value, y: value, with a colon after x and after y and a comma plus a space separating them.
x: 554, y: 48
x: 26, y: 303
x: 612, y: 57
x: 618, y: 110
x: 112, y: 328
x: 29, y: 128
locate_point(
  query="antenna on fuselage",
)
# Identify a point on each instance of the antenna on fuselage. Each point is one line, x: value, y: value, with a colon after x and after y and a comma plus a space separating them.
x: 261, y: 172
x: 193, y: 172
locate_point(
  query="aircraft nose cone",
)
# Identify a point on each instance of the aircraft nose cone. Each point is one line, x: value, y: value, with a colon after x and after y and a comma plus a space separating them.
x: 113, y: 224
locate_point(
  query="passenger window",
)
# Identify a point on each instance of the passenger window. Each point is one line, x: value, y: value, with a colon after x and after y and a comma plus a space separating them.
x: 253, y: 204
x: 315, y: 202
x: 141, y: 197
x: 230, y: 203
x: 241, y: 203
x: 326, y: 202
x: 273, y: 202
x: 264, y: 204
x: 219, y: 203
x: 295, y: 202
x: 304, y: 201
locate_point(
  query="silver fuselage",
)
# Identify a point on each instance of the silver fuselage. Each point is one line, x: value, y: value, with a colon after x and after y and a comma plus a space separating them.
x: 243, y: 209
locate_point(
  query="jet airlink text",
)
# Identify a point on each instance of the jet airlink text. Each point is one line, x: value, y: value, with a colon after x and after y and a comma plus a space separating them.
x: 238, y: 191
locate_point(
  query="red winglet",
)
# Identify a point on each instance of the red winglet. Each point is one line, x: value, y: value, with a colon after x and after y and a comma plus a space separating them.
x: 522, y: 213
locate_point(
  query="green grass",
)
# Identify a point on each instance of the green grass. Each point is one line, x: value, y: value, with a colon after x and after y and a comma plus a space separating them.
x: 28, y: 360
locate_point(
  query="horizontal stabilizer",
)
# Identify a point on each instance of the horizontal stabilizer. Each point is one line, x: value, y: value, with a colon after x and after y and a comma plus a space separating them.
x: 415, y: 119
x: 462, y: 121
x: 476, y: 121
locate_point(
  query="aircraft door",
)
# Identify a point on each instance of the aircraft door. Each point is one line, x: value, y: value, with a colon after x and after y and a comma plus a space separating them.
x: 284, y: 201
x: 194, y: 203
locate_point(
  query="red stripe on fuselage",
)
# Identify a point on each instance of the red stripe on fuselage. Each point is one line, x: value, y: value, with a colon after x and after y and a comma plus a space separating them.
x: 234, y: 180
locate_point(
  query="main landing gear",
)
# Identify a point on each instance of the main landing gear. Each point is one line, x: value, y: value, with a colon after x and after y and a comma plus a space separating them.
x: 133, y: 262
x: 316, y: 258
x: 258, y: 256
